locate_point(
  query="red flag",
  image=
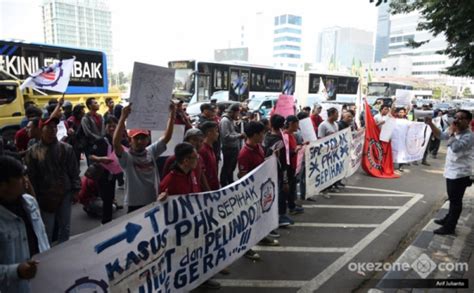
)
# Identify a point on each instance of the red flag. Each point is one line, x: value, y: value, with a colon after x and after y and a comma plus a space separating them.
x: 377, y: 160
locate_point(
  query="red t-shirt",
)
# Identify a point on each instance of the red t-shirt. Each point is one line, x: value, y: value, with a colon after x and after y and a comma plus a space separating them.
x: 472, y: 125
x: 169, y: 166
x: 293, y: 145
x: 21, y: 139
x: 208, y: 158
x: 177, y: 182
x: 250, y: 158
x: 98, y: 121
x: 316, y: 119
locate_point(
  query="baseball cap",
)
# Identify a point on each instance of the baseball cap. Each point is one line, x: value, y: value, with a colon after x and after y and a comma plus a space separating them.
x: 136, y: 131
x: 193, y: 132
x: 46, y: 121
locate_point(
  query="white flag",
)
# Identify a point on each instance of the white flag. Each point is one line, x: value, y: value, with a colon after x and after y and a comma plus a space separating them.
x: 322, y: 90
x: 54, y: 77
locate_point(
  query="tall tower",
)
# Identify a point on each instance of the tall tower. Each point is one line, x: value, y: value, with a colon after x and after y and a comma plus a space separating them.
x: 79, y: 23
x: 287, y: 39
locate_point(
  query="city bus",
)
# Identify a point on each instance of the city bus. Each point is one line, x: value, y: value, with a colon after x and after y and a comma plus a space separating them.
x: 199, y: 81
x: 18, y: 60
x: 384, y: 90
x: 339, y: 87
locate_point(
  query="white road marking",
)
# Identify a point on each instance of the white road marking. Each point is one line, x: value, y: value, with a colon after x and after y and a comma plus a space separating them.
x: 371, y: 194
x: 335, y: 225
x: 328, y: 206
x: 301, y: 249
x: 377, y: 189
x: 332, y: 269
x: 261, y: 283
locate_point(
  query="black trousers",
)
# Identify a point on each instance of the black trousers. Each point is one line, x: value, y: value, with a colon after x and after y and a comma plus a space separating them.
x: 107, y: 193
x: 287, y: 200
x: 228, y: 167
x: 455, y: 189
x: 434, y: 147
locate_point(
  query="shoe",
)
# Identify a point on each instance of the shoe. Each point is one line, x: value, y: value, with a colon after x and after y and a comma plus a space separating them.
x: 283, y: 222
x: 440, y: 221
x: 444, y: 231
x: 210, y: 284
x: 290, y: 220
x: 267, y: 241
x: 297, y: 210
x: 425, y: 163
x: 415, y: 163
x: 311, y: 199
x: 252, y: 255
x: 434, y: 156
x: 274, y: 234
x: 341, y: 185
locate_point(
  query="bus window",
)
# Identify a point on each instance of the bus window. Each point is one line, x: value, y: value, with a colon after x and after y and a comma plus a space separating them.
x: 7, y: 93
x: 203, y: 87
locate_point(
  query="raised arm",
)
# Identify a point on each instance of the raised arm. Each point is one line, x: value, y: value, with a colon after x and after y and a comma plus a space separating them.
x: 169, y: 128
x: 120, y: 129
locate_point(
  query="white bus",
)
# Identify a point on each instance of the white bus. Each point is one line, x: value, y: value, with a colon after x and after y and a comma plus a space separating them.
x: 339, y: 87
x: 199, y: 81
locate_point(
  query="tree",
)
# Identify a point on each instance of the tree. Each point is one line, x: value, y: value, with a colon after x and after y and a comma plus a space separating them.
x: 454, y: 19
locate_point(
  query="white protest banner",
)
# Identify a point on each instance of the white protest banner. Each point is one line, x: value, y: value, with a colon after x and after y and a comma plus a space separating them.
x: 62, y: 131
x: 326, y: 106
x: 178, y: 136
x: 166, y: 247
x: 307, y: 130
x: 404, y: 97
x: 355, y: 151
x: 285, y: 105
x: 327, y: 160
x: 387, y: 129
x: 150, y: 95
x: 409, y: 141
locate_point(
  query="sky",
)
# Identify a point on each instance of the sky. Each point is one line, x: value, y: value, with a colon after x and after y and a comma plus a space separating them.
x: 156, y: 32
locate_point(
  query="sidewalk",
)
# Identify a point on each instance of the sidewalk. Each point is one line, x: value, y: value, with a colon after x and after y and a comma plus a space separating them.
x: 428, y: 251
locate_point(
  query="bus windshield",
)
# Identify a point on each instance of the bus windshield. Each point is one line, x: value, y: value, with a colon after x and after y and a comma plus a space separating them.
x: 378, y: 90
x: 183, y: 80
x: 7, y: 93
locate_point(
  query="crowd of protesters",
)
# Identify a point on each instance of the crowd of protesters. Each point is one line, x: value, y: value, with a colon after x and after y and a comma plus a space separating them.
x: 40, y: 179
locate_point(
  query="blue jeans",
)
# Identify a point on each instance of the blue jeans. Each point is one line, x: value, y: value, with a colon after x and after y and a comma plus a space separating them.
x: 62, y: 218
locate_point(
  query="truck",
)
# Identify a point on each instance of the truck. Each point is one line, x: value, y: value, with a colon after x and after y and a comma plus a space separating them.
x: 18, y: 60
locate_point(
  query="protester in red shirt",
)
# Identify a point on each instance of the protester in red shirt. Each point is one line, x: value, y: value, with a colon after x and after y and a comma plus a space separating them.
x: 182, y: 179
x: 315, y: 118
x: 195, y: 137
x: 250, y: 157
x: 21, y: 136
x: 210, y: 130
x: 292, y: 125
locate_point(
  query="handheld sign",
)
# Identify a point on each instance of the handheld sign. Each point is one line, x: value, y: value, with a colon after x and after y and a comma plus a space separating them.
x: 285, y: 106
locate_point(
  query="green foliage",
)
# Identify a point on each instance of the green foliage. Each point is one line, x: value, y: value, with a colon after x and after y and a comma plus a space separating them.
x: 454, y: 19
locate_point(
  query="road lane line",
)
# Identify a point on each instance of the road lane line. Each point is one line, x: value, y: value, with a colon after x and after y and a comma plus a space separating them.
x: 378, y: 189
x: 332, y: 269
x: 329, y: 206
x: 371, y: 194
x: 335, y: 225
x: 301, y: 249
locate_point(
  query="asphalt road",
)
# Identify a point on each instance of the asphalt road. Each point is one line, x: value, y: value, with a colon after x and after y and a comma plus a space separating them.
x: 371, y: 221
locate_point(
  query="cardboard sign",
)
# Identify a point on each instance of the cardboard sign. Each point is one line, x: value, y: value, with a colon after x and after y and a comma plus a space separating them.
x: 285, y: 106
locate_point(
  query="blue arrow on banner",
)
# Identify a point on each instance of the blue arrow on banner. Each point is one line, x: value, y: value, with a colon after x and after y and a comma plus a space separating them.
x: 131, y: 231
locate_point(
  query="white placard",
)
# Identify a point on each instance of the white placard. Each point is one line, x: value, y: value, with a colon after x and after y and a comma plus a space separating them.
x: 150, y: 95
x: 307, y: 130
x: 404, y: 97
x: 409, y: 141
x: 170, y: 246
x: 387, y: 129
x: 62, y: 131
x: 178, y: 136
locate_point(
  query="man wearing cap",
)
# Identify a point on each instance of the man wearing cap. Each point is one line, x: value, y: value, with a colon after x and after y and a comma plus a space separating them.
x: 230, y: 140
x: 54, y: 174
x: 195, y: 137
x: 139, y: 163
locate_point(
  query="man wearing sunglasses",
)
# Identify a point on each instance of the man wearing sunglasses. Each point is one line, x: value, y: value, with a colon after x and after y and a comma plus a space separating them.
x: 458, y: 167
